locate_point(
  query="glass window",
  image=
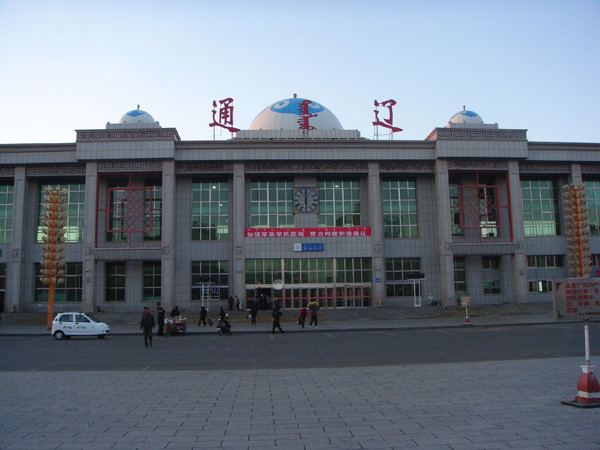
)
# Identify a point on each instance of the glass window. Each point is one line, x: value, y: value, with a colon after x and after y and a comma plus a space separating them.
x: 210, y: 211
x: 460, y: 276
x: 491, y: 275
x: 6, y: 212
x: 353, y: 270
x: 153, y: 210
x: 399, y: 203
x: 213, y: 277
x: 271, y: 204
x: 592, y: 188
x: 339, y: 203
x: 115, y: 282
x: 75, y: 201
x: 70, y: 291
x: 399, y: 276
x: 455, y: 210
x: 66, y: 318
x: 540, y: 208
x: 152, y: 282
x: 81, y: 318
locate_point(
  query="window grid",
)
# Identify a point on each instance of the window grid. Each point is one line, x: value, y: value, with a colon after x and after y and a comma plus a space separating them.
x: 152, y: 282
x: 70, y: 291
x: 540, y: 208
x: 339, y: 203
x: 398, y: 272
x: 115, y: 282
x: 215, y: 274
x: 455, y: 211
x: 271, y: 204
x: 399, y: 202
x: 75, y: 201
x: 6, y: 212
x: 308, y: 271
x: 210, y: 211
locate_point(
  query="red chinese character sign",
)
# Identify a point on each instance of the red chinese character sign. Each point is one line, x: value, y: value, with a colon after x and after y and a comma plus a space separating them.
x: 577, y: 298
x: 305, y: 115
x: 385, y: 122
x: 224, y: 116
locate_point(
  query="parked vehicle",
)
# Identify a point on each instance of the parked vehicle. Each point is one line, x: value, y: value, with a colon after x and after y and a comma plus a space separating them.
x: 69, y: 324
x: 223, y: 326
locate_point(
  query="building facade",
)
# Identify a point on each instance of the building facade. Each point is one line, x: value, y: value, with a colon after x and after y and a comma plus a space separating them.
x: 288, y: 213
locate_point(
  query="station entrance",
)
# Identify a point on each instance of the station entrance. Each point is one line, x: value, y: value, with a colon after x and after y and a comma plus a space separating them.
x: 294, y: 297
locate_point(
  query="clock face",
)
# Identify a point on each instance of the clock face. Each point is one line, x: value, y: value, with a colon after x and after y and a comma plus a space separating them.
x: 306, y: 199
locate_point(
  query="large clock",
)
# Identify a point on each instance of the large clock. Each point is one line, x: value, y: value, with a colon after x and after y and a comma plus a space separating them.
x: 306, y: 199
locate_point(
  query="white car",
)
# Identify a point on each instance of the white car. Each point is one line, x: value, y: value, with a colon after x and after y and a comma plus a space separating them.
x: 69, y: 324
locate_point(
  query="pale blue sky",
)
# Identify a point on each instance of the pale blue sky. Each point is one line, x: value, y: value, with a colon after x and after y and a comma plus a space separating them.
x: 68, y: 65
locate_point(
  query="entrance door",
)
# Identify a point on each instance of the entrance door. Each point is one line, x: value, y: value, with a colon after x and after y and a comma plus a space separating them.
x: 352, y: 296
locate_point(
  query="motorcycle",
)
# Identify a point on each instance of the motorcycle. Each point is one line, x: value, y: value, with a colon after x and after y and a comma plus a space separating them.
x: 223, y: 326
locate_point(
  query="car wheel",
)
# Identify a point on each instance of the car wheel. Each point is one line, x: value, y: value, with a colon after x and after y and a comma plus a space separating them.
x: 59, y: 335
x: 101, y: 336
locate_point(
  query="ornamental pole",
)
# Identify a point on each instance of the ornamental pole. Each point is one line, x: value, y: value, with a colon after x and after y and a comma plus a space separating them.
x: 52, y: 249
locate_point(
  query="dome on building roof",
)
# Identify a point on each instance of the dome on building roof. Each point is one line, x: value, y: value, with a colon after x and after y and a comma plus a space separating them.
x: 137, y: 116
x: 466, y: 117
x: 287, y: 115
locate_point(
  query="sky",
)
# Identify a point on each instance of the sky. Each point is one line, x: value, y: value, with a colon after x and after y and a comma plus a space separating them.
x: 72, y: 65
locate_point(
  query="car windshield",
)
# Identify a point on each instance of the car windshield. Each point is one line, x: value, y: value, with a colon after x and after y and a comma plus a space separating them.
x: 92, y: 318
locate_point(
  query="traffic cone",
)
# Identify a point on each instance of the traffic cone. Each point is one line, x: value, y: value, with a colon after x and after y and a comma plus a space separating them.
x: 588, y: 390
x: 467, y: 320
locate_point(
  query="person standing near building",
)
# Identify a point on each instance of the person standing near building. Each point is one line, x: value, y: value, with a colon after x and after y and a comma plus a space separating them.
x: 314, y: 307
x: 302, y: 316
x: 161, y: 321
x: 147, y: 324
x: 238, y: 303
x: 254, y: 312
x: 230, y: 303
x: 203, y: 313
x: 277, y: 319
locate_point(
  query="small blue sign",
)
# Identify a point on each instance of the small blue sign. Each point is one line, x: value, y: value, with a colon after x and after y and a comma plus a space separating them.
x: 377, y: 280
x: 313, y: 247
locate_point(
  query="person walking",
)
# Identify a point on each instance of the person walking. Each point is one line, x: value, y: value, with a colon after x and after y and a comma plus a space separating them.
x: 254, y: 312
x: 147, y: 324
x: 277, y: 319
x: 161, y: 321
x: 222, y: 313
x: 203, y: 313
x: 314, y: 307
x: 302, y: 316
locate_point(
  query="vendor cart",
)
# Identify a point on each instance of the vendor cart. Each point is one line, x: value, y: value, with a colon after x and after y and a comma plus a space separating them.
x: 175, y: 326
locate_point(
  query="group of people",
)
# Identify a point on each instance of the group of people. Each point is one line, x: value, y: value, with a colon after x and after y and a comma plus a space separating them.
x: 238, y: 303
x: 147, y: 322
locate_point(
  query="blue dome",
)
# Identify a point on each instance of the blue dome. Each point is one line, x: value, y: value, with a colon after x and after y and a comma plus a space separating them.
x: 137, y: 116
x: 286, y: 114
x: 464, y: 116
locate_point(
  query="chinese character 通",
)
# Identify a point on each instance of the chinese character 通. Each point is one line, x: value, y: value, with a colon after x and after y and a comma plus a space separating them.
x: 225, y: 119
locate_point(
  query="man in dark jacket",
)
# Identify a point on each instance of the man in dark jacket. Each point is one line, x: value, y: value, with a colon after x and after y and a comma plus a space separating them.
x: 147, y: 324
x: 277, y: 319
x: 161, y: 321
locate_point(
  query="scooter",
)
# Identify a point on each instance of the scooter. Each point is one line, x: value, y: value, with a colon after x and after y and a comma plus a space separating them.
x: 223, y: 326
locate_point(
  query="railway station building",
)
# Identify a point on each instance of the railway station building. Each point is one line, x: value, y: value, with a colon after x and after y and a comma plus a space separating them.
x: 289, y: 213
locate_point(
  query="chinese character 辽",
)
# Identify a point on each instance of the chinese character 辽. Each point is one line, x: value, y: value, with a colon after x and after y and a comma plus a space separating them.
x: 389, y: 122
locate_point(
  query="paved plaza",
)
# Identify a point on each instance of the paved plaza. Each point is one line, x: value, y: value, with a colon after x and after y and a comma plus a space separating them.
x: 488, y: 405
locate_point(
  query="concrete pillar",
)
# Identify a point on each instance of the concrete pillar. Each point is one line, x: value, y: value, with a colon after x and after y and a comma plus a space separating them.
x: 89, y: 237
x: 14, y: 283
x: 520, y: 288
x: 168, y: 235
x: 376, y: 221
x: 238, y: 203
x: 442, y: 188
